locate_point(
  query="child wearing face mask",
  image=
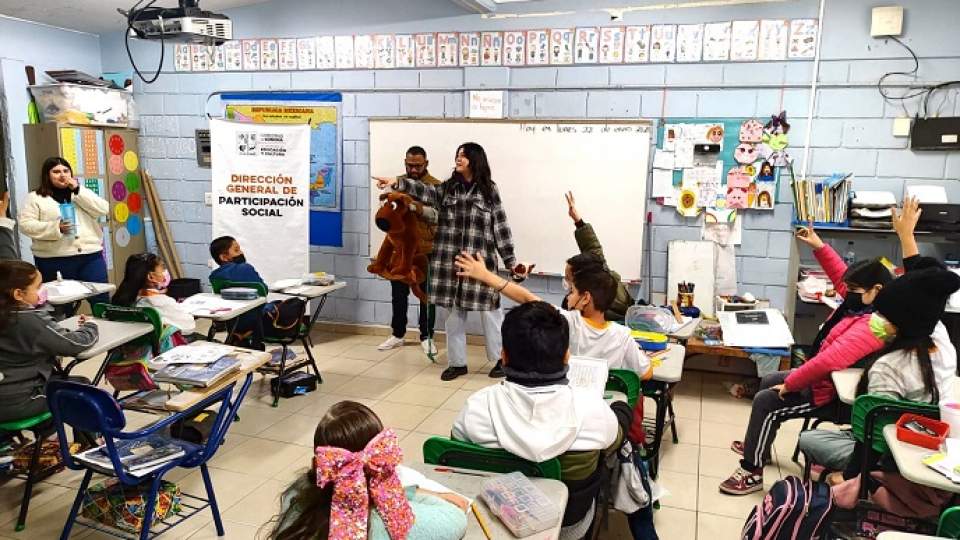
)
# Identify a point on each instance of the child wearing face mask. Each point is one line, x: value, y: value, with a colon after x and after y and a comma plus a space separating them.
x: 31, y: 341
x: 232, y: 265
x: 843, y: 340
x: 145, y: 282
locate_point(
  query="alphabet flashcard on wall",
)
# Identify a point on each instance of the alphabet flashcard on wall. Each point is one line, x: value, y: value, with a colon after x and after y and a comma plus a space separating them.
x: 386, y: 53
x: 492, y: 49
x: 307, y: 53
x: 327, y: 53
x: 287, y: 54
x: 216, y: 58
x: 363, y: 55
x: 689, y: 42
x: 343, y: 46
x: 406, y: 51
x: 588, y: 40
x: 803, y: 38
x: 233, y: 55
x: 426, y: 50
x: 637, y: 44
x: 611, y: 45
x: 743, y: 40
x: 538, y: 47
x: 199, y: 58
x: 470, y: 49
x: 716, y: 42
x: 181, y: 57
x: 663, y: 42
x: 773, y: 39
x: 447, y: 46
x: 514, y: 48
x: 269, y: 54
x: 251, y: 55
x: 561, y: 46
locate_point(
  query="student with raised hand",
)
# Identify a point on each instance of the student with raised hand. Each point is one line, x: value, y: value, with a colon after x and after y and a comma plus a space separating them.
x: 31, y: 341
x: 352, y: 489
x: 843, y: 340
x: 588, y: 242
x: 472, y: 219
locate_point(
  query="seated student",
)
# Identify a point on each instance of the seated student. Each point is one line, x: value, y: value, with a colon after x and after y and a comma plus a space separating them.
x: 31, y: 341
x: 592, y: 291
x: 351, y: 489
x: 842, y: 341
x: 536, y: 415
x: 233, y: 266
x: 911, y: 308
x: 588, y: 242
x: 145, y: 281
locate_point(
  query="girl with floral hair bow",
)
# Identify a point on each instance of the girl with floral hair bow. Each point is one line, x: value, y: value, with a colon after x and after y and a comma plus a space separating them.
x: 352, y: 490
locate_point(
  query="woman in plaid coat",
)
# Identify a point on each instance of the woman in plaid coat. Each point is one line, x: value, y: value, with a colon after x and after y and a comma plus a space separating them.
x: 472, y: 219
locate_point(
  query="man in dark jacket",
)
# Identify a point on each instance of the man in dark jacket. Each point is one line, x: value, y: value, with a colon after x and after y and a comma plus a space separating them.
x: 588, y: 242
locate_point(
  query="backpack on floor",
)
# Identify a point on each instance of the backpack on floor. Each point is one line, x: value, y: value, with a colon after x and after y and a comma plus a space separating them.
x: 282, y: 318
x: 791, y: 510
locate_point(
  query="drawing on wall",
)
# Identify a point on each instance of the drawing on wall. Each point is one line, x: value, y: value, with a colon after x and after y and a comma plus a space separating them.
x: 611, y: 45
x: 588, y: 40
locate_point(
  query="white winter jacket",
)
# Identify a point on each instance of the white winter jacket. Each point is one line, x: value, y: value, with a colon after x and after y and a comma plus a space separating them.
x: 39, y: 219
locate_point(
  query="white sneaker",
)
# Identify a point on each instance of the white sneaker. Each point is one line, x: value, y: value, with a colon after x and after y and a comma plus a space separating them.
x: 392, y: 342
x: 428, y: 346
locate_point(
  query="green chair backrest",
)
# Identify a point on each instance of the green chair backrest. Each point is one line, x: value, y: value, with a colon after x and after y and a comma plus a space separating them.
x: 885, y: 411
x: 626, y: 381
x: 451, y: 453
x: 949, y: 526
x: 220, y: 284
x: 132, y: 314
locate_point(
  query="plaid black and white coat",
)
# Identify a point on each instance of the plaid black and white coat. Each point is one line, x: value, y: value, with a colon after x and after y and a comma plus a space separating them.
x: 467, y: 223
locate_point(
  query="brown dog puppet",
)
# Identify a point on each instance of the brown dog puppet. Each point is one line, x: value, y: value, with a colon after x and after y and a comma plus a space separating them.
x: 403, y: 254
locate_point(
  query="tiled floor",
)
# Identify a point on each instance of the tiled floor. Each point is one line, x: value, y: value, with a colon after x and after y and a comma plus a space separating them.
x: 270, y: 446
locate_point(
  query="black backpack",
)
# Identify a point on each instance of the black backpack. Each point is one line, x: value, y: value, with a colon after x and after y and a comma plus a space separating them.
x: 791, y: 510
x: 282, y: 318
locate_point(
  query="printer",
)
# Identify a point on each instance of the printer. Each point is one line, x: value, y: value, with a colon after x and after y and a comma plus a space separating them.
x: 938, y: 214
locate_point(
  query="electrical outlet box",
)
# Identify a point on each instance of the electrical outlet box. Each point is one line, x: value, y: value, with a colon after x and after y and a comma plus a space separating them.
x: 208, y: 198
x: 886, y: 21
x: 901, y: 127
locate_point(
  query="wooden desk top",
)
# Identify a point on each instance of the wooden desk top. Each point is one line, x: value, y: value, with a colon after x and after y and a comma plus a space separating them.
x: 249, y: 361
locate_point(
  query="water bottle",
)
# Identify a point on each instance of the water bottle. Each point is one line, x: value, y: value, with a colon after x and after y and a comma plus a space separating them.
x: 68, y: 212
x: 850, y: 256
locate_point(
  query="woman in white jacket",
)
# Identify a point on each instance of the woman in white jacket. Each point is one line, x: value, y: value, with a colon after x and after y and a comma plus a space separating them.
x: 74, y: 249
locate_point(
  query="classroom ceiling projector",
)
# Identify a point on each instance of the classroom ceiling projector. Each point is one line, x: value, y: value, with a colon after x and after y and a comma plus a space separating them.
x: 184, y: 24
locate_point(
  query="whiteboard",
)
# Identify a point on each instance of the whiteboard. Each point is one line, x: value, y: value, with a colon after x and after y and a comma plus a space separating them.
x: 533, y: 164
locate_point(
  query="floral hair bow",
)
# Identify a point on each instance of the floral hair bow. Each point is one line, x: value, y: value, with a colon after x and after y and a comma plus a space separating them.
x: 351, y: 473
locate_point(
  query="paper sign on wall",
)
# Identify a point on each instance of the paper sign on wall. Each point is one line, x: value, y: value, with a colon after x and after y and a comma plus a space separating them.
x: 486, y: 104
x: 538, y: 47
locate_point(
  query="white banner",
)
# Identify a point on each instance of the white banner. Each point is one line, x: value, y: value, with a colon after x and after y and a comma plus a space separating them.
x: 261, y: 189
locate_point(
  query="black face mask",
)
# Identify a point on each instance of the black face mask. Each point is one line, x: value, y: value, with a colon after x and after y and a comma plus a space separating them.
x: 239, y: 259
x: 854, y: 301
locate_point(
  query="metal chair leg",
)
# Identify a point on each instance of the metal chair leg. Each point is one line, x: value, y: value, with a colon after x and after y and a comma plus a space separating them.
x: 81, y: 491
x: 313, y: 361
x: 283, y: 364
x: 148, y: 510
x: 32, y: 474
x: 212, y: 499
x: 796, y: 449
x: 673, y: 419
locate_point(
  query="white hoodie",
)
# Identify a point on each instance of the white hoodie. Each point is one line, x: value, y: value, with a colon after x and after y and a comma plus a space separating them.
x: 536, y: 423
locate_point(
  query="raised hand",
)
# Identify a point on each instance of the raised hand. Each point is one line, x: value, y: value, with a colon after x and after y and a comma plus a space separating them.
x: 905, y: 220
x: 809, y: 236
x: 572, y: 207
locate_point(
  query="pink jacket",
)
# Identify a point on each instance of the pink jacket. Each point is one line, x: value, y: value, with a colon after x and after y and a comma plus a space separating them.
x: 848, y: 341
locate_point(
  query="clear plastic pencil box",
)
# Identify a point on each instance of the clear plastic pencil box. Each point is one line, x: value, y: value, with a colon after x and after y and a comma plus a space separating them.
x: 523, y: 508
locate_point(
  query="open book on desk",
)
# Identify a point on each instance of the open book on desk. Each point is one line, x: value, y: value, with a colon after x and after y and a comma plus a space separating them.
x: 197, y: 353
x: 588, y: 373
x: 208, y: 304
x: 198, y: 374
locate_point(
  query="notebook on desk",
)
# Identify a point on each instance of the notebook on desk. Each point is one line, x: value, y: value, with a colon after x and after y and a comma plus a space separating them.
x: 774, y: 333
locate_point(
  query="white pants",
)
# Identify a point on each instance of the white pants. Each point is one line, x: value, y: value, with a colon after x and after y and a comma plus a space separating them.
x: 456, y: 328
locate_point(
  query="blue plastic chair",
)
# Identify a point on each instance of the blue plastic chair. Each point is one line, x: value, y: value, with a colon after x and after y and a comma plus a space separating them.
x: 88, y: 408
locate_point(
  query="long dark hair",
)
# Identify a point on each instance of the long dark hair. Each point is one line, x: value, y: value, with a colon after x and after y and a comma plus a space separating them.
x: 13, y: 275
x: 921, y: 346
x: 479, y: 169
x: 349, y: 425
x: 863, y: 274
x: 134, y: 278
x: 46, y: 186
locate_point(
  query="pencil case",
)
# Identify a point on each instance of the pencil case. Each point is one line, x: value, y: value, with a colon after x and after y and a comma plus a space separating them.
x: 239, y: 293
x: 523, y: 508
x: 649, y: 341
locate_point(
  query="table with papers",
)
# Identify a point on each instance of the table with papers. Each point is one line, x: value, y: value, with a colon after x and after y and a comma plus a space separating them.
x: 111, y: 334
x: 909, y: 458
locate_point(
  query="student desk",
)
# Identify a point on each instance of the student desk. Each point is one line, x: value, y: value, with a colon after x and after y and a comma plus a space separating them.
x: 469, y: 485
x: 308, y: 293
x: 696, y: 345
x: 908, y: 458
x: 93, y: 289
x: 846, y: 381
x: 667, y: 371
x: 112, y: 334
x: 199, y: 304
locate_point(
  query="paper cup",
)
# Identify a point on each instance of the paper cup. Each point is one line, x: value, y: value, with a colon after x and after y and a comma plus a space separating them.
x: 950, y: 413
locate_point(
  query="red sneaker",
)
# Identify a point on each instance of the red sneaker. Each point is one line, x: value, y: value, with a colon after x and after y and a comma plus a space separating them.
x: 743, y: 482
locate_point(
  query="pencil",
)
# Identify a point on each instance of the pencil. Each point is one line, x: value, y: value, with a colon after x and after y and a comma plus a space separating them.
x: 483, y: 524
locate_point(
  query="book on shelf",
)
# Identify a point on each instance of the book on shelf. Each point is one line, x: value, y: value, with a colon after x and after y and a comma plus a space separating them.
x: 822, y: 201
x: 198, y: 374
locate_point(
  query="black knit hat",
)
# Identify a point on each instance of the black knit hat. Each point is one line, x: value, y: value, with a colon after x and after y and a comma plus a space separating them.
x: 915, y: 301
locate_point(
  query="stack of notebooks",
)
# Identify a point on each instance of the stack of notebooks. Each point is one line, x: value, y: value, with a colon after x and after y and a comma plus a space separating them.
x: 872, y: 210
x: 822, y: 201
x: 198, y: 374
x: 138, y: 456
